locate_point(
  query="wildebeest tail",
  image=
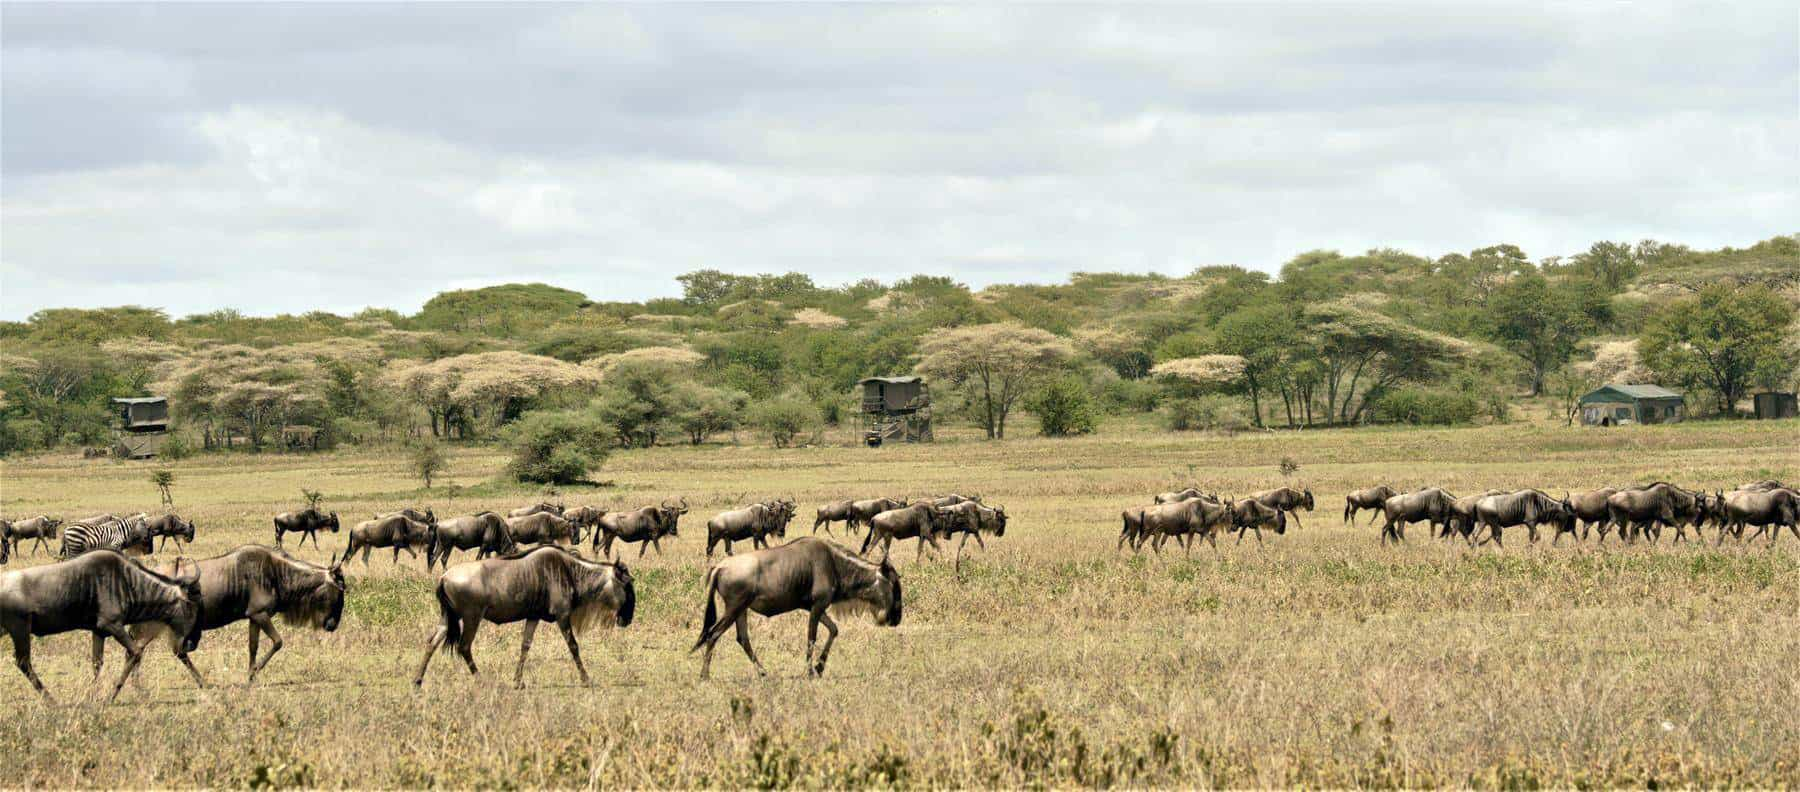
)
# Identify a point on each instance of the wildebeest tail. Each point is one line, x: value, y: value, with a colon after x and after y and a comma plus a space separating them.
x: 1348, y: 508
x: 711, y: 619
x: 452, y: 620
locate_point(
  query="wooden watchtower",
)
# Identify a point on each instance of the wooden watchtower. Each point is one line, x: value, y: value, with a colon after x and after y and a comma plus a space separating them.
x: 896, y: 408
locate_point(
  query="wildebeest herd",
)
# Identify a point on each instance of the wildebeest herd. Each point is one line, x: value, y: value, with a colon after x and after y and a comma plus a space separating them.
x: 528, y: 567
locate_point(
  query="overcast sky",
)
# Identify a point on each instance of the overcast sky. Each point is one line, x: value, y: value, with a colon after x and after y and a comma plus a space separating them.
x: 281, y: 158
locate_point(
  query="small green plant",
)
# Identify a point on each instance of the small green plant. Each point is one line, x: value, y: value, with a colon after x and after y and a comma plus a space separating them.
x: 164, y: 479
x: 312, y: 497
x: 427, y: 460
x: 559, y: 447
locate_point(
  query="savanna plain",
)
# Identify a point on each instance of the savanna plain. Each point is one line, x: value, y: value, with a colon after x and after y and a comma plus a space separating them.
x: 1319, y: 658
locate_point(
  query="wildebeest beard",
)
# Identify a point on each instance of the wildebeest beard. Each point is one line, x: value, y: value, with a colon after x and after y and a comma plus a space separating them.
x: 323, y: 605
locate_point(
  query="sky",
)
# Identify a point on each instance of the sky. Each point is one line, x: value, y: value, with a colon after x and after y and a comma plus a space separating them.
x: 278, y: 158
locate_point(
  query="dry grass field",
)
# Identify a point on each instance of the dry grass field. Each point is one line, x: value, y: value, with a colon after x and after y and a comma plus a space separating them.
x: 1319, y: 659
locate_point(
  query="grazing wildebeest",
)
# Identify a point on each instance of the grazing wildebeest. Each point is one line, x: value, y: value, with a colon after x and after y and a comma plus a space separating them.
x: 128, y: 535
x: 1184, y: 520
x: 307, y: 523
x: 1251, y: 513
x: 923, y: 521
x: 1648, y: 509
x: 41, y: 529
x: 104, y: 592
x: 543, y: 528
x: 1590, y: 509
x: 1286, y: 499
x: 810, y: 574
x: 542, y: 507
x: 1430, y: 505
x: 1371, y: 499
x: 170, y: 526
x: 853, y: 513
x: 396, y: 530
x: 755, y: 522
x: 645, y: 525
x: 484, y: 532
x: 1528, y: 507
x: 1462, y: 515
x: 548, y: 583
x: 256, y: 583
x: 973, y: 519
x: 1768, y: 510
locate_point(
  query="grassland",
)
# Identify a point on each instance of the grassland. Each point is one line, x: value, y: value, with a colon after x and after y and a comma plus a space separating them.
x: 1320, y: 659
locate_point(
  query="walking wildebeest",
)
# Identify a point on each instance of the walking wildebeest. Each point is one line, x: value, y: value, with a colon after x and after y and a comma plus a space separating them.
x: 1249, y: 514
x: 128, y: 535
x: 1184, y: 520
x: 755, y: 522
x: 923, y: 521
x: 1528, y: 507
x: 396, y: 530
x: 646, y: 526
x: 1764, y: 486
x: 1650, y: 508
x: 1132, y: 530
x: 1769, y: 510
x: 255, y: 583
x: 1178, y: 496
x: 543, y: 528
x: 170, y: 526
x: 952, y: 499
x: 1286, y: 499
x: 1370, y: 498
x: 484, y: 532
x: 547, y: 583
x: 104, y: 592
x: 588, y: 517
x: 541, y: 507
x: 1590, y: 509
x: 307, y: 523
x: 42, y: 529
x: 810, y: 574
x: 1462, y: 515
x: 853, y: 513
x: 973, y: 519
x: 1430, y: 505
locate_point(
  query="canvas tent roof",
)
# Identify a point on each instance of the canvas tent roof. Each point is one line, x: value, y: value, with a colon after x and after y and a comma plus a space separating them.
x: 140, y: 400
x: 1631, y: 392
x: 892, y: 380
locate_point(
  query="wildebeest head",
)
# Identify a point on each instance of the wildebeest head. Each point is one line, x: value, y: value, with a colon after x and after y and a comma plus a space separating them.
x: 999, y: 520
x: 185, y: 619
x: 1308, y: 499
x: 669, y: 516
x: 184, y: 529
x: 322, y: 605
x: 330, y: 523
x: 607, y: 590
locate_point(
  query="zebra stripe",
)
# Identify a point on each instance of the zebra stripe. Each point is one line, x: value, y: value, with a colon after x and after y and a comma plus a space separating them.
x: 114, y: 534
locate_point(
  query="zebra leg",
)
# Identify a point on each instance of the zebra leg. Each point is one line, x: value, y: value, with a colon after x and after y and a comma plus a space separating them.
x: 524, y: 649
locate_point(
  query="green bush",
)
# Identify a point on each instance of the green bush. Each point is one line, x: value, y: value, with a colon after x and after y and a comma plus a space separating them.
x: 176, y: 447
x: 1127, y: 395
x: 1063, y: 408
x: 558, y: 447
x: 1210, y: 412
x: 1414, y: 405
x: 784, y: 419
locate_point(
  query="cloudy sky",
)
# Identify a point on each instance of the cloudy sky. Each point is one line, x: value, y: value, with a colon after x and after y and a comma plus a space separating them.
x: 282, y: 158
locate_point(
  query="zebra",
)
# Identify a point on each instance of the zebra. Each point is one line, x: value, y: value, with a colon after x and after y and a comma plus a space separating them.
x: 131, y: 534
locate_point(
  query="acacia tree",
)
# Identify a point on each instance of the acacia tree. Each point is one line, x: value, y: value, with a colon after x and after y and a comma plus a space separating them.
x: 1721, y: 338
x: 998, y: 362
x: 1539, y: 323
x: 498, y: 386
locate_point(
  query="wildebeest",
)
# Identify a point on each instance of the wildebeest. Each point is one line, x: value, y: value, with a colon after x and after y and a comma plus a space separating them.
x: 1251, y: 514
x: 1769, y: 510
x: 1183, y: 520
x: 952, y: 499
x: 104, y: 592
x: 1286, y: 499
x: 810, y: 574
x: 1648, y: 509
x: 543, y: 528
x: 128, y: 535
x: 1764, y: 486
x: 307, y: 523
x: 5, y: 541
x: 1590, y: 509
x: 587, y: 517
x: 1132, y: 530
x: 1462, y: 515
x: 484, y: 532
x: 853, y: 513
x: 1528, y: 507
x: 646, y: 526
x: 257, y: 583
x: 922, y: 520
x: 973, y: 519
x: 396, y: 530
x: 170, y: 526
x: 1430, y: 505
x: 42, y: 529
x: 755, y: 522
x: 541, y: 507
x: 547, y: 583
x: 1370, y: 498
x: 1178, y: 496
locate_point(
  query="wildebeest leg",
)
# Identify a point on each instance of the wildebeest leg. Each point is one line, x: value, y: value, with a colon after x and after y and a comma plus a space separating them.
x: 644, y: 546
x: 743, y: 639
x: 831, y: 633
x: 262, y: 622
x: 431, y: 648
x: 1258, y: 535
x: 471, y: 624
x: 657, y: 543
x: 98, y: 655
x: 525, y: 649
x: 134, y: 654
x: 568, y: 633
x: 1295, y: 513
x: 21, y: 638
